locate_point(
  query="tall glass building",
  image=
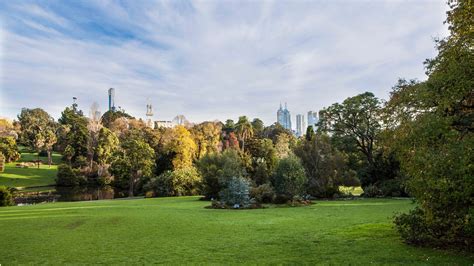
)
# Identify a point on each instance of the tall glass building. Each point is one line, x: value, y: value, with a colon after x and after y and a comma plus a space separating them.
x: 313, y: 119
x: 300, y: 125
x: 284, y: 117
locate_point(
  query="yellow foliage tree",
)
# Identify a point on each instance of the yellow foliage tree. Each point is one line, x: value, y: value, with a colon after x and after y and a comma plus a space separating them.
x: 184, y: 148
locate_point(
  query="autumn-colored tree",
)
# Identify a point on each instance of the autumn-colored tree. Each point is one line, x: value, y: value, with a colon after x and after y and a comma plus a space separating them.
x: 183, y: 147
x: 206, y: 136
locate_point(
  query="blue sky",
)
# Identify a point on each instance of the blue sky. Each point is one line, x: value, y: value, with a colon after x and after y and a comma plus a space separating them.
x: 210, y: 59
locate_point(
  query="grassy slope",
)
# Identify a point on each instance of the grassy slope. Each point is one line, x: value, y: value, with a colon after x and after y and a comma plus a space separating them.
x: 28, y: 177
x: 181, y: 230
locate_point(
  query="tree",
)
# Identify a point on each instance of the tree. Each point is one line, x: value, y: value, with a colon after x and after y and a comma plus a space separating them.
x: 282, y: 146
x: 357, y: 118
x: 324, y: 166
x: 309, y: 133
x: 435, y: 142
x: 263, y: 159
x: 206, y: 136
x: 272, y: 132
x: 258, y: 127
x: 216, y: 169
x: 230, y: 141
x: 9, y: 149
x: 49, y: 140
x: 74, y: 124
x: 289, y: 178
x: 244, y: 130
x: 37, y: 130
x: 107, y: 144
x: 183, y: 148
x: 138, y: 158
x: 229, y: 126
x: 110, y: 116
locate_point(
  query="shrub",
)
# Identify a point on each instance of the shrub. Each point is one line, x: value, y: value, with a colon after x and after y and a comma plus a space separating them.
x: 236, y: 194
x: 6, y: 197
x: 372, y: 191
x: 411, y: 227
x: 289, y: 178
x: 69, y: 177
x: 217, y: 169
x: 181, y: 182
x: 43, y: 153
x: 263, y: 193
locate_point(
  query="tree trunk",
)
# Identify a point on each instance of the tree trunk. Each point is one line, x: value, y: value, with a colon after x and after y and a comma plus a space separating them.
x: 38, y: 159
x: 49, y: 158
x: 130, y: 190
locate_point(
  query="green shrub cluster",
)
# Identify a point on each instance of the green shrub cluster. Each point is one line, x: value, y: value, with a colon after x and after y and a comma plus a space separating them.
x: 6, y: 197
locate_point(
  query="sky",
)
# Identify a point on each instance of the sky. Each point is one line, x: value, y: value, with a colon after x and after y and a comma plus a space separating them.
x: 210, y: 59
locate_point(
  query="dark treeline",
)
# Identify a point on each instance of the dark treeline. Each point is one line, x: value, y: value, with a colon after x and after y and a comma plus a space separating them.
x: 419, y: 143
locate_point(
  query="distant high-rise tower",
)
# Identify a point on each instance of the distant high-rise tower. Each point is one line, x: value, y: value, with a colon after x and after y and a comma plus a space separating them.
x: 149, y: 114
x: 284, y: 117
x: 313, y: 119
x: 112, y: 99
x: 300, y: 125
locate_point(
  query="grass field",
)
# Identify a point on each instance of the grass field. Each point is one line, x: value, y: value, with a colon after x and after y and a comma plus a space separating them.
x: 32, y: 176
x: 181, y: 230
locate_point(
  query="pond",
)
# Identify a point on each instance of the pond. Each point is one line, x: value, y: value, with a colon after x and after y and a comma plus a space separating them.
x: 69, y: 194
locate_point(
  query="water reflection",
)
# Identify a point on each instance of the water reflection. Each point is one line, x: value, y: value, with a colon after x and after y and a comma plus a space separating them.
x: 85, y: 193
x: 68, y: 194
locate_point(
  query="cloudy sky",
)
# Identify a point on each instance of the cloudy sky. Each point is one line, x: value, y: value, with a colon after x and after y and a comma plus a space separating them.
x: 210, y: 59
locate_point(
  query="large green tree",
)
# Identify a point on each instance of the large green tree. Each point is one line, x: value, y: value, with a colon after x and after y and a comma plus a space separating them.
x: 74, y: 134
x: 358, y: 119
x: 38, y: 130
x: 135, y: 161
x: 324, y: 165
x: 432, y: 126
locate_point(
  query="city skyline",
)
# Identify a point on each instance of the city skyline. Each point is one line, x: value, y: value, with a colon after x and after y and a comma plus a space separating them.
x: 205, y: 59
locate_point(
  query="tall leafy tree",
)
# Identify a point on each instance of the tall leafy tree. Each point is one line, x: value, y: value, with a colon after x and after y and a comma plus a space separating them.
x: 37, y: 130
x: 74, y: 124
x: 358, y: 119
x: 435, y: 139
x: 258, y: 127
x: 183, y: 147
x: 136, y: 160
x: 244, y: 130
x: 206, y: 136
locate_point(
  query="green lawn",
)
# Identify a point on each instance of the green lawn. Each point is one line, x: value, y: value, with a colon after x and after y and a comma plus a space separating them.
x: 181, y: 230
x: 32, y: 176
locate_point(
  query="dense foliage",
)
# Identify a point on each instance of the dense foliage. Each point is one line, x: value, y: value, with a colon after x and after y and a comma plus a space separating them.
x: 6, y: 197
x: 433, y: 135
x: 9, y: 149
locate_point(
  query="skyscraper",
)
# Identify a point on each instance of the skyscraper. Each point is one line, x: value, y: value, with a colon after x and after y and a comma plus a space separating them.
x: 313, y: 119
x: 300, y: 125
x: 112, y: 99
x: 284, y: 117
